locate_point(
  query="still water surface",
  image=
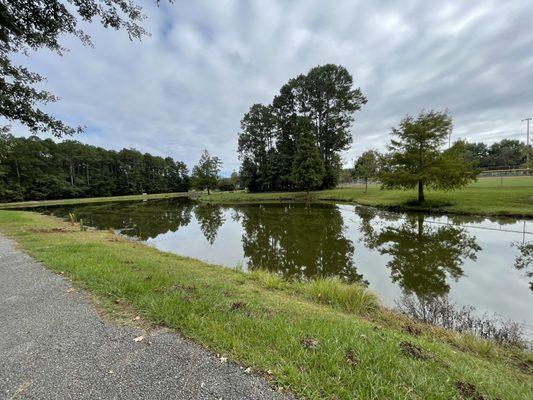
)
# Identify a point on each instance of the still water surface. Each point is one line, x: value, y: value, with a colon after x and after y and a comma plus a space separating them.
x: 470, y: 259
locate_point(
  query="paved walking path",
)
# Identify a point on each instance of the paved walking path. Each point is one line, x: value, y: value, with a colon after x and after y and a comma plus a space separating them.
x: 54, y: 345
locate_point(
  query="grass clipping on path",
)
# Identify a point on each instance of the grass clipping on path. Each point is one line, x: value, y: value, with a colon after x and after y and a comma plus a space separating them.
x: 319, y: 340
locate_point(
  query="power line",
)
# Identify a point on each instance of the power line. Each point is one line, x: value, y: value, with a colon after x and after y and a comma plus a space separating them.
x: 527, y: 140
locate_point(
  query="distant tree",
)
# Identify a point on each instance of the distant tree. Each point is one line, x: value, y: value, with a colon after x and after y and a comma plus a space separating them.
x: 506, y: 154
x: 346, y: 175
x: 226, y: 185
x: 477, y: 153
x: 30, y: 25
x: 416, y: 158
x: 235, y: 179
x: 205, y: 174
x: 367, y: 166
x: 307, y: 167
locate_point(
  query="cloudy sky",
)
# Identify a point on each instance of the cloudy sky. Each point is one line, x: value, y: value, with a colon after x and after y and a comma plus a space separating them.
x: 186, y: 87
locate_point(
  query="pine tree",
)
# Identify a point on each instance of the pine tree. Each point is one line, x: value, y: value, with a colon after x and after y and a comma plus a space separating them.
x: 307, y: 167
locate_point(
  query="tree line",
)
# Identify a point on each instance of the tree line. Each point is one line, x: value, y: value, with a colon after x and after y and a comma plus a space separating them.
x: 37, y: 169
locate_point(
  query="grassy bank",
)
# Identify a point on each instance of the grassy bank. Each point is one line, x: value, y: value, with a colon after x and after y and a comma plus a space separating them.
x: 485, y: 197
x: 321, y: 340
x: 40, y: 203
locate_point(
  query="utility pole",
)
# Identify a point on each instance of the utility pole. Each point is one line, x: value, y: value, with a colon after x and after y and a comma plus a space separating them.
x: 527, y: 140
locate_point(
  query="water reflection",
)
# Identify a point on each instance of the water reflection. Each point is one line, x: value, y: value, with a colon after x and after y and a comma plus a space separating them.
x: 142, y: 220
x: 524, y: 260
x: 297, y: 240
x: 466, y: 258
x: 211, y: 218
x: 422, y: 255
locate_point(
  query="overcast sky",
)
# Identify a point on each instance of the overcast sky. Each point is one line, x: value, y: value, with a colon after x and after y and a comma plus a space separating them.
x: 186, y: 87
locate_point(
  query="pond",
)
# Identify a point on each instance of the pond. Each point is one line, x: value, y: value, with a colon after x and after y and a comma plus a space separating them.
x: 472, y: 260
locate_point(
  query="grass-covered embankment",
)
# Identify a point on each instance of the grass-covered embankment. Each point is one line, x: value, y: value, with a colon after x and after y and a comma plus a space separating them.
x: 42, y: 203
x: 320, y: 339
x: 485, y: 197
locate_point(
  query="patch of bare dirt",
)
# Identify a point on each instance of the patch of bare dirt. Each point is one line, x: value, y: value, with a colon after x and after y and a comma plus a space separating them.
x: 309, y: 342
x: 238, y: 305
x: 351, y: 358
x: 412, y: 330
x: 469, y: 391
x: 414, y: 351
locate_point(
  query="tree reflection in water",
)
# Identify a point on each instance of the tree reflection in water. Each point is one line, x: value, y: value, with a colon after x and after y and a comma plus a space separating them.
x: 138, y: 219
x: 211, y: 218
x: 297, y: 240
x: 423, y: 255
x: 524, y: 260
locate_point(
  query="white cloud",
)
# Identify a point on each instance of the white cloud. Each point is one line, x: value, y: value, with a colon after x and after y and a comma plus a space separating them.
x: 187, y: 86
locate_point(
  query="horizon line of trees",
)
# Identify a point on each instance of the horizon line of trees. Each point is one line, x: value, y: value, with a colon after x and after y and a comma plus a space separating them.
x: 38, y: 169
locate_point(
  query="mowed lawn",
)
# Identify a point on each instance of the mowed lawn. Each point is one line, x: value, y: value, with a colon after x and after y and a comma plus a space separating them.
x: 487, y: 196
x: 319, y: 340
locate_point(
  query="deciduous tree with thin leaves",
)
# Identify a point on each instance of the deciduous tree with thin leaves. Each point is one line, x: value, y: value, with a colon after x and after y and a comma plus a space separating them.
x: 417, y: 159
x: 205, y: 174
x: 367, y: 166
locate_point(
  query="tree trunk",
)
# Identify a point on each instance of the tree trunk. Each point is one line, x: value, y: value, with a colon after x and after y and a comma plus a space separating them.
x: 208, y: 192
x: 420, y: 192
x: 18, y: 172
x: 366, y: 185
x: 71, y: 170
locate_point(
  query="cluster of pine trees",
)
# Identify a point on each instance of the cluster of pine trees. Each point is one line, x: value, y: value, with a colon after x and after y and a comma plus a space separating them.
x: 295, y: 142
x: 36, y: 169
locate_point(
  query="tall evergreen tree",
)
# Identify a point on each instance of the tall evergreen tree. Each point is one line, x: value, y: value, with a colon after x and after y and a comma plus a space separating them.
x: 308, y: 166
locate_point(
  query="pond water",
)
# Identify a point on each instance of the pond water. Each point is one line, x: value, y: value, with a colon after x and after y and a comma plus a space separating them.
x: 470, y: 259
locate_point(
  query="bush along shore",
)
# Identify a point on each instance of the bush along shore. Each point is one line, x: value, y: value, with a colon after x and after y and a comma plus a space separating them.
x: 321, y: 339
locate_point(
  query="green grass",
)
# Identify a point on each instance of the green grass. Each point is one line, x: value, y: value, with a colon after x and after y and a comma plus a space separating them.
x: 40, y: 203
x: 320, y: 340
x: 484, y: 197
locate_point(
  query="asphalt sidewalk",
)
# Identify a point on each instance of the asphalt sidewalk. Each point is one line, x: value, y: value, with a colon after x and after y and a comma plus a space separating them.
x: 54, y: 345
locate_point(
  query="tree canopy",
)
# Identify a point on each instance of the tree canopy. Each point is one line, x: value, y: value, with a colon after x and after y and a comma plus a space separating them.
x: 507, y: 153
x: 30, y: 25
x: 36, y: 169
x: 367, y: 166
x: 269, y: 135
x: 308, y: 166
x: 205, y: 175
x: 416, y: 158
